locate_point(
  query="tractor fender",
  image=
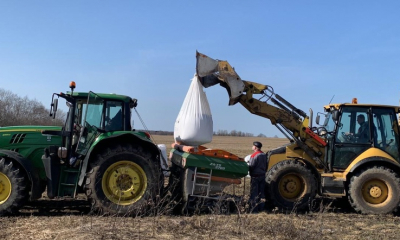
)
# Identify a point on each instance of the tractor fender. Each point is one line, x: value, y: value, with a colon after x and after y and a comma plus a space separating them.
x: 380, y: 161
x: 97, y: 144
x: 27, y: 166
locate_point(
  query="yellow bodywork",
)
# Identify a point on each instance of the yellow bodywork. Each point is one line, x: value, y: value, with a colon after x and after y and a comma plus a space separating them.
x: 5, y: 188
x: 336, y: 106
x: 294, y: 152
x: 371, y: 152
x: 124, y: 182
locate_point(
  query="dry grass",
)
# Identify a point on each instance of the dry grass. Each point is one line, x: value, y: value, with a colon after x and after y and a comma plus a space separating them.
x: 324, y: 224
x: 211, y: 226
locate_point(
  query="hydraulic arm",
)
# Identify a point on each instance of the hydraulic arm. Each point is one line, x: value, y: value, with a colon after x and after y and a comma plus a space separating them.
x: 291, y: 121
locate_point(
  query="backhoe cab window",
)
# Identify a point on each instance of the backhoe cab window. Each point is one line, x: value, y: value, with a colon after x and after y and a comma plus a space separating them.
x: 329, y: 123
x: 386, y: 131
x: 353, y: 126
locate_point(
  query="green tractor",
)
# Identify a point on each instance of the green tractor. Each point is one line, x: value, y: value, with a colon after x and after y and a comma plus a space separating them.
x: 96, y: 152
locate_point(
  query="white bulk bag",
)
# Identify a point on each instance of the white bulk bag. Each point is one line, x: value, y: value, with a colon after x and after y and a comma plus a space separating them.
x: 194, y: 125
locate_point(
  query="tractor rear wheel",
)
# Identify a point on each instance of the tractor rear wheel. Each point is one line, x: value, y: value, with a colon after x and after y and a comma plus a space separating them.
x: 123, y: 181
x: 375, y: 191
x: 13, y: 187
x: 290, y: 185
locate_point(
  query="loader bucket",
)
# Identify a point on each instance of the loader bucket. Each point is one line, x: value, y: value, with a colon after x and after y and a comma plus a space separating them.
x: 212, y: 72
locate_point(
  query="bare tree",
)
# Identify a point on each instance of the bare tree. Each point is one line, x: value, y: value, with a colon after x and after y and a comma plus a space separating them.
x: 15, y: 110
x: 233, y: 133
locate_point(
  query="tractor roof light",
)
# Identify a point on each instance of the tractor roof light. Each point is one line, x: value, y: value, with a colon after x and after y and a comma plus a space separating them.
x: 72, y: 85
x: 354, y: 101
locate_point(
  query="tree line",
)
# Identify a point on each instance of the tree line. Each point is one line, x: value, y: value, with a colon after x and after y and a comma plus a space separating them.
x: 16, y: 111
x: 233, y: 133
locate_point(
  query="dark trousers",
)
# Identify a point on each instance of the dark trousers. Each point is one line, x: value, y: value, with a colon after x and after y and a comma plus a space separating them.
x: 257, y: 192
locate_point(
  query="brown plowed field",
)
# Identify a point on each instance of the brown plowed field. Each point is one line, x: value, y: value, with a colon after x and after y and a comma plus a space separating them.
x: 67, y: 219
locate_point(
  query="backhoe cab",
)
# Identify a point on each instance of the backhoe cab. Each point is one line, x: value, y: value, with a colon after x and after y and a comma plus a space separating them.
x: 353, y: 154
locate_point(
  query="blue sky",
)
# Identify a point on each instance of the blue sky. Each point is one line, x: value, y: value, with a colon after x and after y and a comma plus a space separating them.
x: 308, y: 51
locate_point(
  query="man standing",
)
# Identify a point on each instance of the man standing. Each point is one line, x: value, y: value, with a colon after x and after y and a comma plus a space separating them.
x: 257, y: 169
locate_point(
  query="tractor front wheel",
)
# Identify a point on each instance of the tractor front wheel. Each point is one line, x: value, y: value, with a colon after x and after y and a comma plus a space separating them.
x: 13, y: 187
x: 122, y: 181
x: 375, y: 191
x: 290, y: 185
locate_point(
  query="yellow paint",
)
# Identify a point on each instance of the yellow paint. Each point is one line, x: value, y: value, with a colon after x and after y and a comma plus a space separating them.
x: 338, y: 105
x: 124, y: 183
x: 372, y: 152
x: 292, y: 152
x: 291, y: 186
x: 304, y: 124
x: 5, y: 188
x: 335, y: 175
x: 274, y: 159
x: 375, y: 191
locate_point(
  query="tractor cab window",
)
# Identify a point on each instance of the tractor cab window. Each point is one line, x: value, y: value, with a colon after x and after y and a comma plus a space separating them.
x: 114, y: 116
x: 93, y: 112
x: 386, y: 131
x: 91, y: 121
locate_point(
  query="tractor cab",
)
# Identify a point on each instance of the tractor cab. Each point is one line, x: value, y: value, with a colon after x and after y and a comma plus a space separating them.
x: 88, y: 116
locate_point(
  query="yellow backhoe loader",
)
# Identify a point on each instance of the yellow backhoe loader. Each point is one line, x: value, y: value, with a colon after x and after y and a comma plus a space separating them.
x: 354, y: 153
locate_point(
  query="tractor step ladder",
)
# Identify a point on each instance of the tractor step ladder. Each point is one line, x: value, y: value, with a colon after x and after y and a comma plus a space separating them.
x: 68, y: 181
x: 201, y: 175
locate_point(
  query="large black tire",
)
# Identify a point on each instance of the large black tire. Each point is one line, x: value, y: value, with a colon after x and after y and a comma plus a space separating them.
x: 14, y: 191
x: 123, y: 180
x: 375, y: 191
x: 290, y: 185
x: 177, y: 187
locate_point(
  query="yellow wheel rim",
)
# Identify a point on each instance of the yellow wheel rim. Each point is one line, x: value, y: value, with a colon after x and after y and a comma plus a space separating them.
x: 375, y: 191
x: 5, y: 188
x: 124, y: 182
x: 291, y: 187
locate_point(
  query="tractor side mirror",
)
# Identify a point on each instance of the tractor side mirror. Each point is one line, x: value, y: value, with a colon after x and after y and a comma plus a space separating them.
x: 317, y: 119
x: 54, y: 106
x: 133, y: 103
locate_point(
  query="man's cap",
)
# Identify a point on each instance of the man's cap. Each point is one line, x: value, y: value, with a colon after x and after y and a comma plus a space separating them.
x: 257, y: 144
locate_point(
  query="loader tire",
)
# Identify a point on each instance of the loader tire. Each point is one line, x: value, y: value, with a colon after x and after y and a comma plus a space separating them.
x: 14, y: 191
x: 123, y: 180
x: 290, y: 185
x: 375, y: 191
